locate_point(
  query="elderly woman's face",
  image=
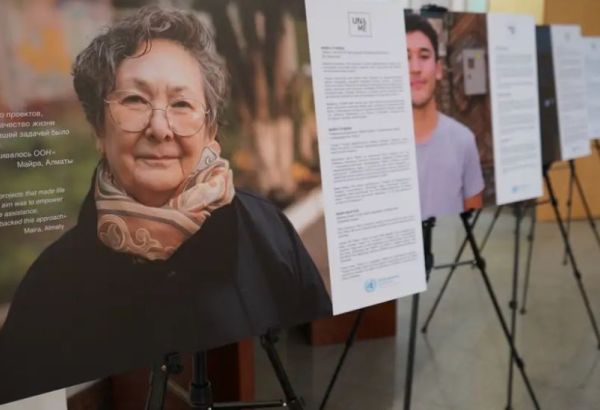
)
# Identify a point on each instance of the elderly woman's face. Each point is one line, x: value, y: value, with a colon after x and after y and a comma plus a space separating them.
x: 151, y: 160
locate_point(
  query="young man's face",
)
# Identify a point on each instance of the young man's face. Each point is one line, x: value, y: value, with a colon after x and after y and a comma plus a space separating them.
x: 425, y: 69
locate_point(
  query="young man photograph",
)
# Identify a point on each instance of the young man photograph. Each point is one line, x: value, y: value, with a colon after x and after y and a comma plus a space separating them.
x: 449, y: 168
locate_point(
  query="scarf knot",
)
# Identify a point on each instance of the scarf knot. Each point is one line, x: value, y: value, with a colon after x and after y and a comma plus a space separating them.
x: 155, y: 233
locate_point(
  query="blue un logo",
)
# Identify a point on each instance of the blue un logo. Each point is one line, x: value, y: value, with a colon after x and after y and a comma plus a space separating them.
x: 370, y: 285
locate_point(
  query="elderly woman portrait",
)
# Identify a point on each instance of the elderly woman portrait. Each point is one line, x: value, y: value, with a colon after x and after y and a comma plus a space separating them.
x: 166, y: 255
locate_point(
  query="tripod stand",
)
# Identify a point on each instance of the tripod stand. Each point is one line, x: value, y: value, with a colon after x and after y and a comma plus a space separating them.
x: 457, y: 263
x: 481, y: 266
x: 200, y: 394
x: 576, y: 273
x: 519, y: 209
x: 574, y: 181
x: 414, y: 314
x: 427, y: 230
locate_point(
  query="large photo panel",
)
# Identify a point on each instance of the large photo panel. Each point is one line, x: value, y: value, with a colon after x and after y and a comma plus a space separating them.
x: 448, y: 55
x: 123, y: 238
x: 465, y: 71
x: 161, y: 167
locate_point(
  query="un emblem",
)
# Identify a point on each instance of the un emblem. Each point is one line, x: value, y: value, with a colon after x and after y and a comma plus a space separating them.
x: 370, y: 285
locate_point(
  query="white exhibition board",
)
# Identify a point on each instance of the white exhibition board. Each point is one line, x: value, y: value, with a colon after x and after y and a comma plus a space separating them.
x: 367, y: 151
x: 592, y: 80
x: 515, y: 109
x: 568, y: 61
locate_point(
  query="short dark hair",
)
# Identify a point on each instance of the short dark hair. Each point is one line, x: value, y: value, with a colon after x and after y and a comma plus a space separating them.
x: 95, y: 67
x: 415, y: 22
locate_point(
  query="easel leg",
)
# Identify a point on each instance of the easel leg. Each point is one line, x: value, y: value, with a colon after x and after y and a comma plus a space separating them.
x: 530, y: 240
x: 349, y: 342
x: 569, y: 205
x: 491, y: 227
x: 201, y: 396
x: 481, y: 267
x: 268, y: 343
x: 414, y: 315
x: 518, y: 209
x: 449, y: 276
x: 586, y: 205
x: 576, y: 272
x: 444, y: 286
x: 158, y: 381
x: 410, y: 361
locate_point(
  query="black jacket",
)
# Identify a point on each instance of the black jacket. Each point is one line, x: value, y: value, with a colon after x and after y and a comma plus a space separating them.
x: 84, y: 311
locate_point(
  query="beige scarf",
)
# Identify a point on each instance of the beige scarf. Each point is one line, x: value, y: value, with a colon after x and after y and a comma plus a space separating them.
x: 126, y: 225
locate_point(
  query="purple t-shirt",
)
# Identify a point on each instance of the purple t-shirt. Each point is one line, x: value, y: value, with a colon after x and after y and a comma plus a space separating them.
x: 449, y: 169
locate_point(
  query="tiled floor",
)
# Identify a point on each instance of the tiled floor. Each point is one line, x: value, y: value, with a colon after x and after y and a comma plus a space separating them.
x: 462, y: 363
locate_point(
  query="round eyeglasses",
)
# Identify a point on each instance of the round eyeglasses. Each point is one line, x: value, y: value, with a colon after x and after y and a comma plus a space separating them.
x: 132, y: 113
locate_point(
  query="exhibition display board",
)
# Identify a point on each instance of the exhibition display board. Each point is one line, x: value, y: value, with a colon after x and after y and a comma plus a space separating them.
x: 515, y: 113
x: 562, y: 93
x: 122, y: 238
x: 592, y: 84
x: 474, y: 93
x: 367, y: 151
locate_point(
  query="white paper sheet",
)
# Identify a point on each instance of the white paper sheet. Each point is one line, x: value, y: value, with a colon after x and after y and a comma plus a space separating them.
x: 592, y: 79
x: 568, y: 61
x: 367, y: 151
x: 515, y: 109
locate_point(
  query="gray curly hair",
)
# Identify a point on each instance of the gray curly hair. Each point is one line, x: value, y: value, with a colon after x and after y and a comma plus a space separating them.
x: 95, y: 67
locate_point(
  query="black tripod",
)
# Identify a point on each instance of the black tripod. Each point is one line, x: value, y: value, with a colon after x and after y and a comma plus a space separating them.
x: 200, y: 394
x: 576, y: 273
x: 530, y: 240
x: 457, y: 263
x: 519, y: 210
x: 481, y: 266
x: 427, y: 230
x: 414, y: 314
x: 574, y: 182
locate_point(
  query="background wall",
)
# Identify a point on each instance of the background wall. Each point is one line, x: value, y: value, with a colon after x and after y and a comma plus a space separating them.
x: 532, y: 7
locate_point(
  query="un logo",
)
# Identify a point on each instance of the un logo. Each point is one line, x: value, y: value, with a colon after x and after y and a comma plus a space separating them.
x: 370, y: 285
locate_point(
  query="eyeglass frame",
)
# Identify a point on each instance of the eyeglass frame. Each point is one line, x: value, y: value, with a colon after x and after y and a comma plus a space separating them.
x: 151, y: 110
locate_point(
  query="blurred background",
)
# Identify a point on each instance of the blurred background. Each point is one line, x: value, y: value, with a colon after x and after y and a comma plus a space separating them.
x: 38, y: 41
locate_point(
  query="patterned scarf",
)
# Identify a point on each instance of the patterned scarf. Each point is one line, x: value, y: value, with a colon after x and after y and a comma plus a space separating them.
x: 126, y: 225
